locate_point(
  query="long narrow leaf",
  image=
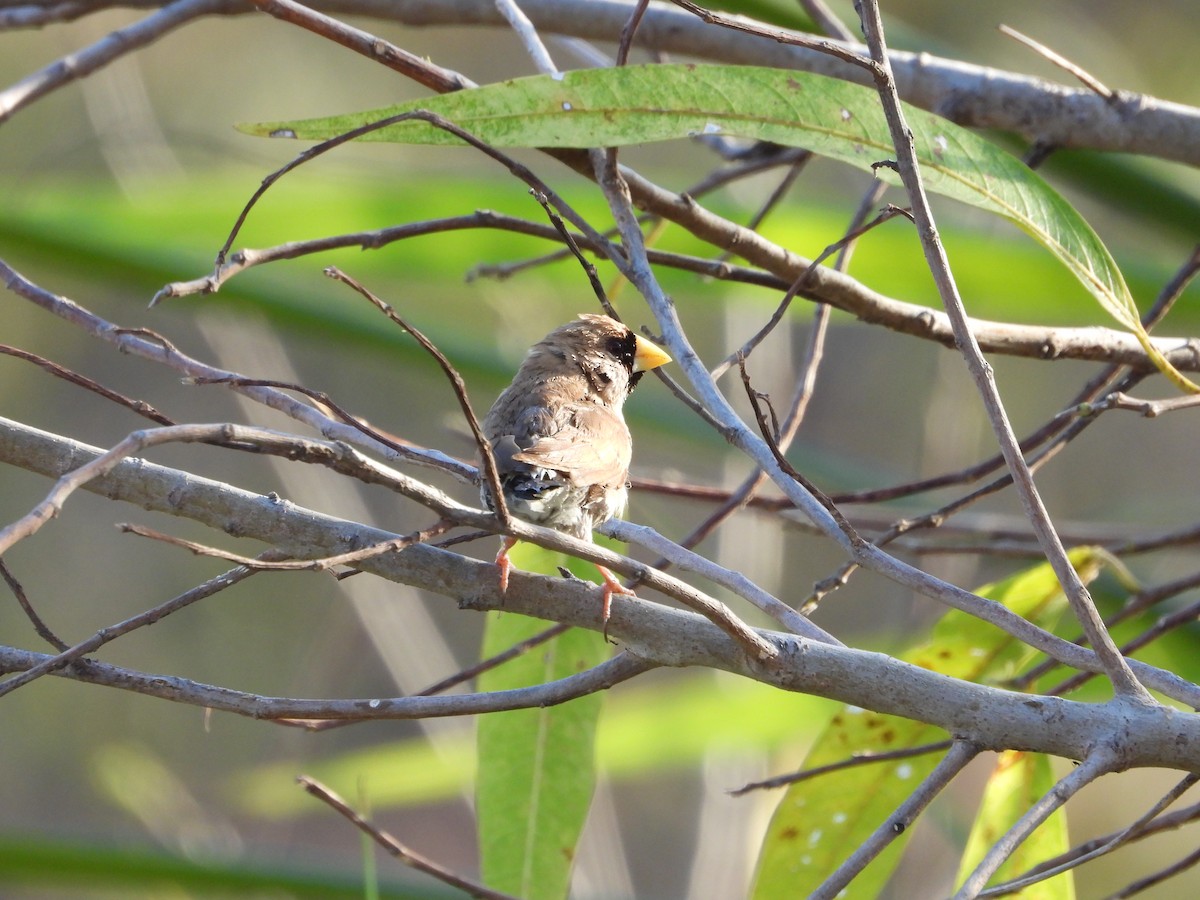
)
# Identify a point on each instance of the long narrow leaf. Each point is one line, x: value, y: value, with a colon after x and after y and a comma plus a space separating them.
x: 641, y: 104
x: 536, y: 766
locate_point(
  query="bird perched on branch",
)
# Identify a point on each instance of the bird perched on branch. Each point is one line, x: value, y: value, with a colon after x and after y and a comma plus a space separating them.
x: 560, y: 442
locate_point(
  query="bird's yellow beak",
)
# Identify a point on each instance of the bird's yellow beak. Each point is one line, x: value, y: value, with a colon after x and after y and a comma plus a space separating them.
x: 648, y: 356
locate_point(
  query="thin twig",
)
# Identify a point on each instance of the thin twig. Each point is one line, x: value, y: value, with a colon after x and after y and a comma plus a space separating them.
x: 1115, y: 842
x: 1143, y: 884
x: 961, y: 752
x: 829, y: 23
x: 628, y: 30
x: 803, y: 281
x: 140, y: 407
x: 589, y: 270
x: 112, y: 632
x: 142, y: 343
x: 863, y: 758
x: 1086, y: 78
x: 688, y: 561
x: 326, y: 402
x: 472, y: 672
x: 1135, y: 605
x: 844, y: 526
x: 1165, y: 624
x: 1160, y: 824
x: 530, y: 39
x: 611, y: 672
x: 748, y: 26
x: 490, y: 470
x: 1124, y: 682
x: 105, y: 51
x: 406, y: 855
x: 320, y: 564
x: 369, y: 45
x: 1148, y: 408
x: 1100, y: 762
x: 42, y: 629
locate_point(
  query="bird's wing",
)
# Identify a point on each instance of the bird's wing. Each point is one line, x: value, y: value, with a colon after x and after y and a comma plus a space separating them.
x: 588, y: 443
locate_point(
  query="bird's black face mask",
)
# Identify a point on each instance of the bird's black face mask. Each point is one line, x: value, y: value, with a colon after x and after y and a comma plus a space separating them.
x: 624, y: 348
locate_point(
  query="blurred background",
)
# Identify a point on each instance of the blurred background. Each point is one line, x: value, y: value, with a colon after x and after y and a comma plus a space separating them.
x: 132, y: 177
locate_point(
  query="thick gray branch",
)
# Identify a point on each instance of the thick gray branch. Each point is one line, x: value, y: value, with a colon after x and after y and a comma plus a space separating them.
x: 989, y: 717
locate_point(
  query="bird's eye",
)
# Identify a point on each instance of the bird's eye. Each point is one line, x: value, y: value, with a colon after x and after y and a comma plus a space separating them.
x: 605, y: 377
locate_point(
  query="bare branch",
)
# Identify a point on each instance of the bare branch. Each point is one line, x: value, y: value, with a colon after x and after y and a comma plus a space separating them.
x: 405, y: 854
x: 866, y: 758
x: 182, y: 690
x: 111, y: 47
x: 39, y: 626
x: 149, y: 617
x: 490, y: 470
x: 1077, y: 594
x: 1089, y: 81
x: 1114, y: 842
x: 369, y: 45
x: 140, y: 407
x: 647, y: 537
x: 961, y: 752
x: 528, y: 34
x: 1099, y: 762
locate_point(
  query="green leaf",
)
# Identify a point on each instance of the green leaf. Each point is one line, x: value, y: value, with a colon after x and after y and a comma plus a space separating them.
x: 1018, y: 781
x: 642, y: 104
x: 820, y: 821
x: 32, y: 865
x: 536, y: 766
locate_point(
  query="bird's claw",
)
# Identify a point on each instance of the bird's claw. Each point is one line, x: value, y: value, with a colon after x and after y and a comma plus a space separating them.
x: 611, y: 586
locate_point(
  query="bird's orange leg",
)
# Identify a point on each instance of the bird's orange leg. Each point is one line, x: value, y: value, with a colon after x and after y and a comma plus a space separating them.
x: 611, y: 586
x: 503, y: 563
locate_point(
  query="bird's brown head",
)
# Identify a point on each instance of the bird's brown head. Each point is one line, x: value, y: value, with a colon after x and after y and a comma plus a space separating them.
x: 607, y: 352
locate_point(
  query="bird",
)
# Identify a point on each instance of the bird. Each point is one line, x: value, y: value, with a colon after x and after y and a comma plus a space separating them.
x: 559, y: 438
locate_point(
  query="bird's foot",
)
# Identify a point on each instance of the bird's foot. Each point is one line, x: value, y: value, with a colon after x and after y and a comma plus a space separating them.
x: 504, y: 564
x: 611, y: 586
